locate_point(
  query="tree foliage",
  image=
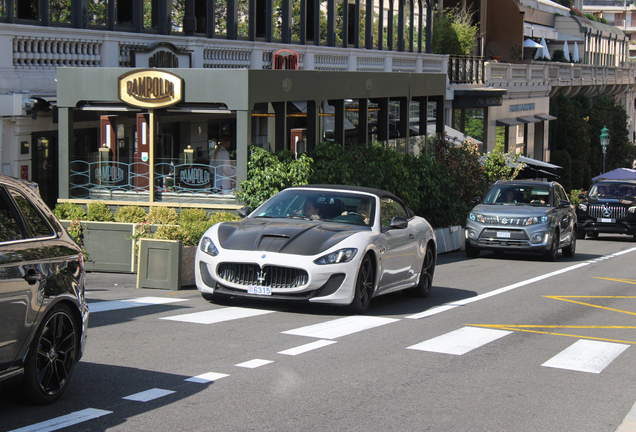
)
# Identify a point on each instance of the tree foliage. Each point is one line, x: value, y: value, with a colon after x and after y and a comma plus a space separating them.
x: 454, y: 32
x: 499, y: 165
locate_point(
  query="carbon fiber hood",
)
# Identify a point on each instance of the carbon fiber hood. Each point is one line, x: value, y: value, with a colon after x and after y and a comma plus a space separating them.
x: 290, y: 236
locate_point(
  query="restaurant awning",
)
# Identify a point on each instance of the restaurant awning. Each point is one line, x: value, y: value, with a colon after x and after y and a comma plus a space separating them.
x: 528, y: 119
x: 545, y: 117
x: 508, y: 122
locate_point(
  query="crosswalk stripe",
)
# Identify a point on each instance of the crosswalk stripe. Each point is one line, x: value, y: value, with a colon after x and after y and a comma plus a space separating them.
x: 340, y: 327
x: 149, y: 395
x: 307, y: 347
x: 460, y: 341
x: 64, y: 421
x: 130, y: 303
x: 252, y: 364
x: 586, y: 356
x: 206, y: 377
x: 218, y: 315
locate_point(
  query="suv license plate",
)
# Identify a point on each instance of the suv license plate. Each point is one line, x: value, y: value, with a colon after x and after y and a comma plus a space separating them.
x: 259, y: 290
x: 606, y: 220
x: 503, y: 234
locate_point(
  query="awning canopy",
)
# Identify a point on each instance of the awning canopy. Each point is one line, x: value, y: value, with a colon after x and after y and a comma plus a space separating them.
x: 538, y: 163
x: 528, y: 119
x: 529, y: 43
x: 508, y: 122
x: 545, y: 117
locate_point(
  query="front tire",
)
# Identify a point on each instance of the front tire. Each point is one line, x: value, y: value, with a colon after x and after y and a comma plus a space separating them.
x: 551, y: 255
x: 51, y: 358
x: 425, y: 285
x: 569, y: 250
x: 471, y: 251
x: 364, y: 287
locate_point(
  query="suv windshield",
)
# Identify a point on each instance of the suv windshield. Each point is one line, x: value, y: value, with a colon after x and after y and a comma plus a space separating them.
x: 519, y: 195
x: 611, y: 190
x: 357, y: 209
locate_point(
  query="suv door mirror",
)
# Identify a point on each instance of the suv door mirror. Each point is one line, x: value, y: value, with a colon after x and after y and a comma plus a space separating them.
x: 582, y: 196
x: 564, y: 204
x: 476, y: 200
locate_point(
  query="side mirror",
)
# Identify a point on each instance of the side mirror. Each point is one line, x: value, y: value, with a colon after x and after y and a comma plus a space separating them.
x: 399, y: 223
x: 581, y: 196
x: 244, y: 211
x: 476, y: 200
x: 564, y: 204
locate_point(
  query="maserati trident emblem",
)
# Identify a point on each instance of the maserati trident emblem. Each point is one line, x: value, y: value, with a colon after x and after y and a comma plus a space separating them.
x: 606, y: 211
x: 260, y: 277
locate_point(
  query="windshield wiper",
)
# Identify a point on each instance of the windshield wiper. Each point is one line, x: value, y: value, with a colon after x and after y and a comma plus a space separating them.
x: 290, y: 216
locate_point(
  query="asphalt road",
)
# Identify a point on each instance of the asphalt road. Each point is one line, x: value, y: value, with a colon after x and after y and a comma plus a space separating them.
x: 503, y: 343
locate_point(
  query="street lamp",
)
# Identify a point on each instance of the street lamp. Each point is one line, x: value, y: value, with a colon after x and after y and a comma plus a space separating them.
x: 605, y: 138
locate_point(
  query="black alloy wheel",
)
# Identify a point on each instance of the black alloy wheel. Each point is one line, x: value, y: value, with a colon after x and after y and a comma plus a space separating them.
x: 592, y: 234
x: 364, y: 287
x: 51, y: 358
x: 425, y: 285
x: 551, y: 255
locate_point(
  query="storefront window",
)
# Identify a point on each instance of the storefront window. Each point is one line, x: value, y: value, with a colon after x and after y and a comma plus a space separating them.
x: 60, y: 11
x: 97, y: 12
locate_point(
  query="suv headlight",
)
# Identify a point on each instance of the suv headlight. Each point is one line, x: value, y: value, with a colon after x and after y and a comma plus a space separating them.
x: 207, y: 246
x: 632, y: 209
x: 583, y: 207
x: 477, y: 217
x: 536, y: 220
x: 339, y: 256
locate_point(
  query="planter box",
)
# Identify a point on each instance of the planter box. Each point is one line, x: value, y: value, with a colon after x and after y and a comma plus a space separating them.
x: 165, y: 264
x: 108, y: 245
x: 449, y: 239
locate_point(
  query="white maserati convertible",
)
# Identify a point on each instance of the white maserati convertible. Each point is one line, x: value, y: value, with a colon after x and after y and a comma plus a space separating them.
x: 341, y: 245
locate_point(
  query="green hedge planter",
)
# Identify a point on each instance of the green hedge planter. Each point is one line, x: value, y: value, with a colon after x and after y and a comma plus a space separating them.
x: 165, y: 264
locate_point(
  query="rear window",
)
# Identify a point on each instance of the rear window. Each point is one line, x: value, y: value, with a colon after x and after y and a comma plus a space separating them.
x: 9, y: 221
x: 38, y: 225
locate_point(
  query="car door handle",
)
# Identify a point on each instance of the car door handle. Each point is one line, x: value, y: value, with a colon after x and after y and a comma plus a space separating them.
x: 32, y: 277
x: 411, y: 236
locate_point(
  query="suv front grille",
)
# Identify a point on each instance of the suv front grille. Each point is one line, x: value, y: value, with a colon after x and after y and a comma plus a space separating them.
x: 606, y: 211
x: 502, y: 220
x: 268, y: 276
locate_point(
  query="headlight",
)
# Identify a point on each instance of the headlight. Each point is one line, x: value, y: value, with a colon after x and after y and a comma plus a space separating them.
x: 339, y: 256
x: 584, y: 207
x: 207, y: 246
x: 476, y: 217
x: 632, y: 209
x: 536, y: 220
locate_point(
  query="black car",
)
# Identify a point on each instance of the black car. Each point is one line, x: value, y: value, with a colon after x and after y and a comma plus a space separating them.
x: 523, y: 216
x: 608, y: 207
x: 43, y: 312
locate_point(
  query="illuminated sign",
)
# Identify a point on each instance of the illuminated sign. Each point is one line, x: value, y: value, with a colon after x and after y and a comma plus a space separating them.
x: 150, y: 88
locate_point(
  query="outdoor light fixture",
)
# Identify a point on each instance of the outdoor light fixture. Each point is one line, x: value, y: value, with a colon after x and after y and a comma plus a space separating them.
x: 605, y: 138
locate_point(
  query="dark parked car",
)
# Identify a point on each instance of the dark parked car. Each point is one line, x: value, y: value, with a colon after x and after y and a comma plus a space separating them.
x: 523, y: 216
x: 608, y: 207
x: 43, y: 313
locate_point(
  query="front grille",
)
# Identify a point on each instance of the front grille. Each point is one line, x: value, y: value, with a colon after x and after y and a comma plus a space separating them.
x: 268, y: 276
x: 606, y: 211
x: 502, y: 220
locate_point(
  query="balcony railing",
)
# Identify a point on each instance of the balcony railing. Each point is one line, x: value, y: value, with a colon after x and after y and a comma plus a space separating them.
x: 466, y: 70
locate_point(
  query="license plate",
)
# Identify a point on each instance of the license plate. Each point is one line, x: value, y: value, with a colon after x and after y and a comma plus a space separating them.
x: 503, y: 234
x: 258, y: 290
x: 606, y: 220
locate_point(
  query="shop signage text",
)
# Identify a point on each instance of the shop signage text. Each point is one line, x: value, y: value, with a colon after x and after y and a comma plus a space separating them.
x: 522, y: 107
x: 194, y: 177
x: 107, y: 174
x: 150, y: 88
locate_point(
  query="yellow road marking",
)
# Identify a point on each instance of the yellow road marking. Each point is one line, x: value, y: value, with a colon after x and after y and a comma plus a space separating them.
x: 527, y: 330
x: 631, y: 281
x: 567, y: 299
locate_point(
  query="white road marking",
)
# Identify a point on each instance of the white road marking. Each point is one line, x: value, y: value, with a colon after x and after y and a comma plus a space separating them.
x: 149, y: 395
x: 207, y: 377
x: 130, y: 303
x: 340, y: 327
x: 254, y: 363
x: 586, y: 356
x: 64, y: 421
x: 460, y: 341
x: 307, y: 347
x: 218, y: 315
x: 447, y: 307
